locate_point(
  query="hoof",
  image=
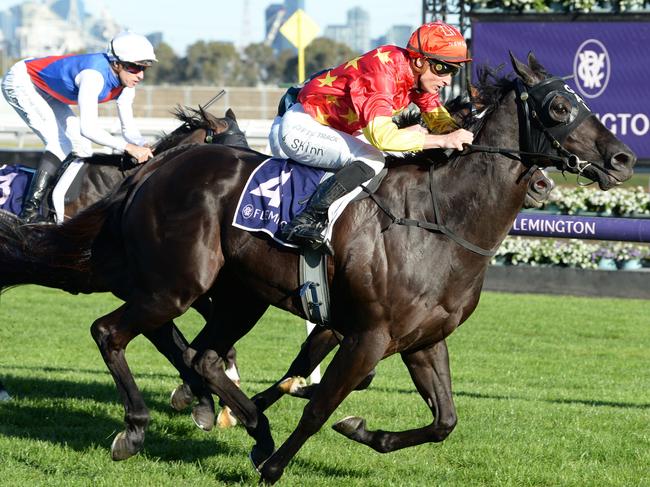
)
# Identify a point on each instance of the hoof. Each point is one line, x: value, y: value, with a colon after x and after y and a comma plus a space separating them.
x: 203, y: 417
x: 225, y: 419
x: 292, y: 385
x: 120, y: 449
x: 269, y: 475
x: 257, y: 456
x: 181, y: 397
x: 349, y: 426
x: 4, y: 396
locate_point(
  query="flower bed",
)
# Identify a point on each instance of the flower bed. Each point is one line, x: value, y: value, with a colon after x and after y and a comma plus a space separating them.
x: 634, y: 202
x: 572, y: 253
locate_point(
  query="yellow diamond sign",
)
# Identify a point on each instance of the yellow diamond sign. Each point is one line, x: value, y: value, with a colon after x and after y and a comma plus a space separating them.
x: 300, y: 29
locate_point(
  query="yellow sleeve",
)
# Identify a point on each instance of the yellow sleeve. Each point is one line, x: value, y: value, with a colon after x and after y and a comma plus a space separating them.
x: 384, y: 135
x: 439, y: 121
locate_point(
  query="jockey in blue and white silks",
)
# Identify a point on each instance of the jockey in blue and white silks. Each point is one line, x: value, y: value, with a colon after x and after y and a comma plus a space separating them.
x: 42, y: 90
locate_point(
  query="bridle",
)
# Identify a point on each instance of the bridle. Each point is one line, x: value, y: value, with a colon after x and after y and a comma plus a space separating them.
x: 539, y: 134
x: 539, y: 137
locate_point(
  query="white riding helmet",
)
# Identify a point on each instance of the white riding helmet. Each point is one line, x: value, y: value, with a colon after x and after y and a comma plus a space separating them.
x: 129, y: 47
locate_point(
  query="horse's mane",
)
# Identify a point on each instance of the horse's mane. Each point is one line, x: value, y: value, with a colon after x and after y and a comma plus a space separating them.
x: 491, y: 87
x: 192, y: 117
x: 486, y: 96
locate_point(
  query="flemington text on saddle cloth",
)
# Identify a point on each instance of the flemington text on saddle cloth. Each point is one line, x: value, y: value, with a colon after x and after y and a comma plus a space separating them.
x: 276, y: 191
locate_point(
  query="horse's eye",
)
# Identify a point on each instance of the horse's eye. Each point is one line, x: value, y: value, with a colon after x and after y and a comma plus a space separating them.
x: 561, y: 109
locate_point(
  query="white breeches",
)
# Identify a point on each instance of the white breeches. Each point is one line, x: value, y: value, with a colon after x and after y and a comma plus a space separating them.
x: 297, y: 136
x: 53, y: 121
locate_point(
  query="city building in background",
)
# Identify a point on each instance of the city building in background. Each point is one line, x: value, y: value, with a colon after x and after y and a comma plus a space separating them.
x: 53, y: 27
x: 397, y: 35
x: 275, y: 16
x: 356, y: 32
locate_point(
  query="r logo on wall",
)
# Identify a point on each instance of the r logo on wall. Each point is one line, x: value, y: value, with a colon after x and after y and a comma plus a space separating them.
x: 591, y: 68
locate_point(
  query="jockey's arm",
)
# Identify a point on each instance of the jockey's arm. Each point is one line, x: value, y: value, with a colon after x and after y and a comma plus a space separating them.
x: 384, y: 134
x: 90, y: 84
x: 125, y: 113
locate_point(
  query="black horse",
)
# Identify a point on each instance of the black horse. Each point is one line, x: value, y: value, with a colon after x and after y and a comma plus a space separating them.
x: 101, y: 173
x: 394, y: 289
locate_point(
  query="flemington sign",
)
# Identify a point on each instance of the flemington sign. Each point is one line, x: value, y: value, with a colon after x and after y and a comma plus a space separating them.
x: 607, y: 60
x: 583, y: 227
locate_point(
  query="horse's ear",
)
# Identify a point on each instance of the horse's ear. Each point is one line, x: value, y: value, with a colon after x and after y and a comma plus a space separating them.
x: 524, y: 72
x: 231, y: 115
x: 534, y: 64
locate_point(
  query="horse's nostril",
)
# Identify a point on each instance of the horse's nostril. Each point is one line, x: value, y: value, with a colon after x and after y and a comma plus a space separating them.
x: 621, y: 159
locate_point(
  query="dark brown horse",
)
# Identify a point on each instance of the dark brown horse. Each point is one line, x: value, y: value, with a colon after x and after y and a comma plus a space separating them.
x: 102, y: 173
x: 394, y: 288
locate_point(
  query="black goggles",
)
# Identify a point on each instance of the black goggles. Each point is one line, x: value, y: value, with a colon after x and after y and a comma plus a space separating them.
x: 441, y: 68
x: 133, y: 68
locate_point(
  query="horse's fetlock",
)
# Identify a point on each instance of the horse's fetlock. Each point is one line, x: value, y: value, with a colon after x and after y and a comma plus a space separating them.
x: 138, y: 419
x: 444, y: 427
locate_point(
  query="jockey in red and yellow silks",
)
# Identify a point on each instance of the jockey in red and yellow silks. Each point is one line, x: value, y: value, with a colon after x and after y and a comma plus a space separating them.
x: 366, y: 92
x: 342, y: 120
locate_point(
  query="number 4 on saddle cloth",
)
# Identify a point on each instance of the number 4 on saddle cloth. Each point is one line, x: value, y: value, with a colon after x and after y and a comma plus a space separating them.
x: 275, y: 192
x: 278, y: 190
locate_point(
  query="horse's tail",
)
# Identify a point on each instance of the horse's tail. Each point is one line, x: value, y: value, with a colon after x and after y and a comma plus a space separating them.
x: 57, y: 256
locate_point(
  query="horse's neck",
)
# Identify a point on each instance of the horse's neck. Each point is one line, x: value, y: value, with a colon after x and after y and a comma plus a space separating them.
x: 481, y: 194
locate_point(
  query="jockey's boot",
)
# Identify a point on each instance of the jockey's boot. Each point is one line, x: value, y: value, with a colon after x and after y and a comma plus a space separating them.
x: 40, y: 184
x: 307, y: 228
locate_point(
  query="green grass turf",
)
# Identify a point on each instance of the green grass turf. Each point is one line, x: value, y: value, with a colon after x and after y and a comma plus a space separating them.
x: 550, y: 391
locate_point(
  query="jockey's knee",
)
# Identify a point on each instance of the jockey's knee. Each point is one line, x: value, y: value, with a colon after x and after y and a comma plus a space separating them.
x: 374, y: 164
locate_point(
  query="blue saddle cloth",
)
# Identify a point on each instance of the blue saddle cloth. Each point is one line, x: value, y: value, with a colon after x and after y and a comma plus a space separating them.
x: 275, y: 192
x: 14, y: 183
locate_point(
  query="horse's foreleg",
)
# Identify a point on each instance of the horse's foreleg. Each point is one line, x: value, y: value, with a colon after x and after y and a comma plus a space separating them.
x: 169, y: 341
x: 112, y: 337
x: 319, y: 343
x: 356, y: 357
x: 210, y: 366
x: 235, y: 312
x: 429, y: 369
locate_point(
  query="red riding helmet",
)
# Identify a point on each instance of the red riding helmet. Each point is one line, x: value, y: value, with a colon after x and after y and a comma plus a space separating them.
x: 440, y: 41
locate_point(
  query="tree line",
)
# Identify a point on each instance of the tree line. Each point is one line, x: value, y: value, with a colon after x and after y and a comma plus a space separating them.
x: 220, y: 63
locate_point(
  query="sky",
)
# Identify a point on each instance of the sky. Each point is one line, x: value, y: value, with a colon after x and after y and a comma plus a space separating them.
x: 183, y: 22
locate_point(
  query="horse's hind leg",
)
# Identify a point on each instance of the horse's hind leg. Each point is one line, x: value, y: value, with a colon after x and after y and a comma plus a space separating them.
x: 169, y: 341
x: 313, y: 351
x: 112, y: 337
x: 355, y: 358
x: 429, y: 369
x: 234, y: 312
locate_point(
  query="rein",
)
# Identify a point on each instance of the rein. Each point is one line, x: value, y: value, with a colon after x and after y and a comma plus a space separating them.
x: 532, y: 147
x: 439, y: 227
